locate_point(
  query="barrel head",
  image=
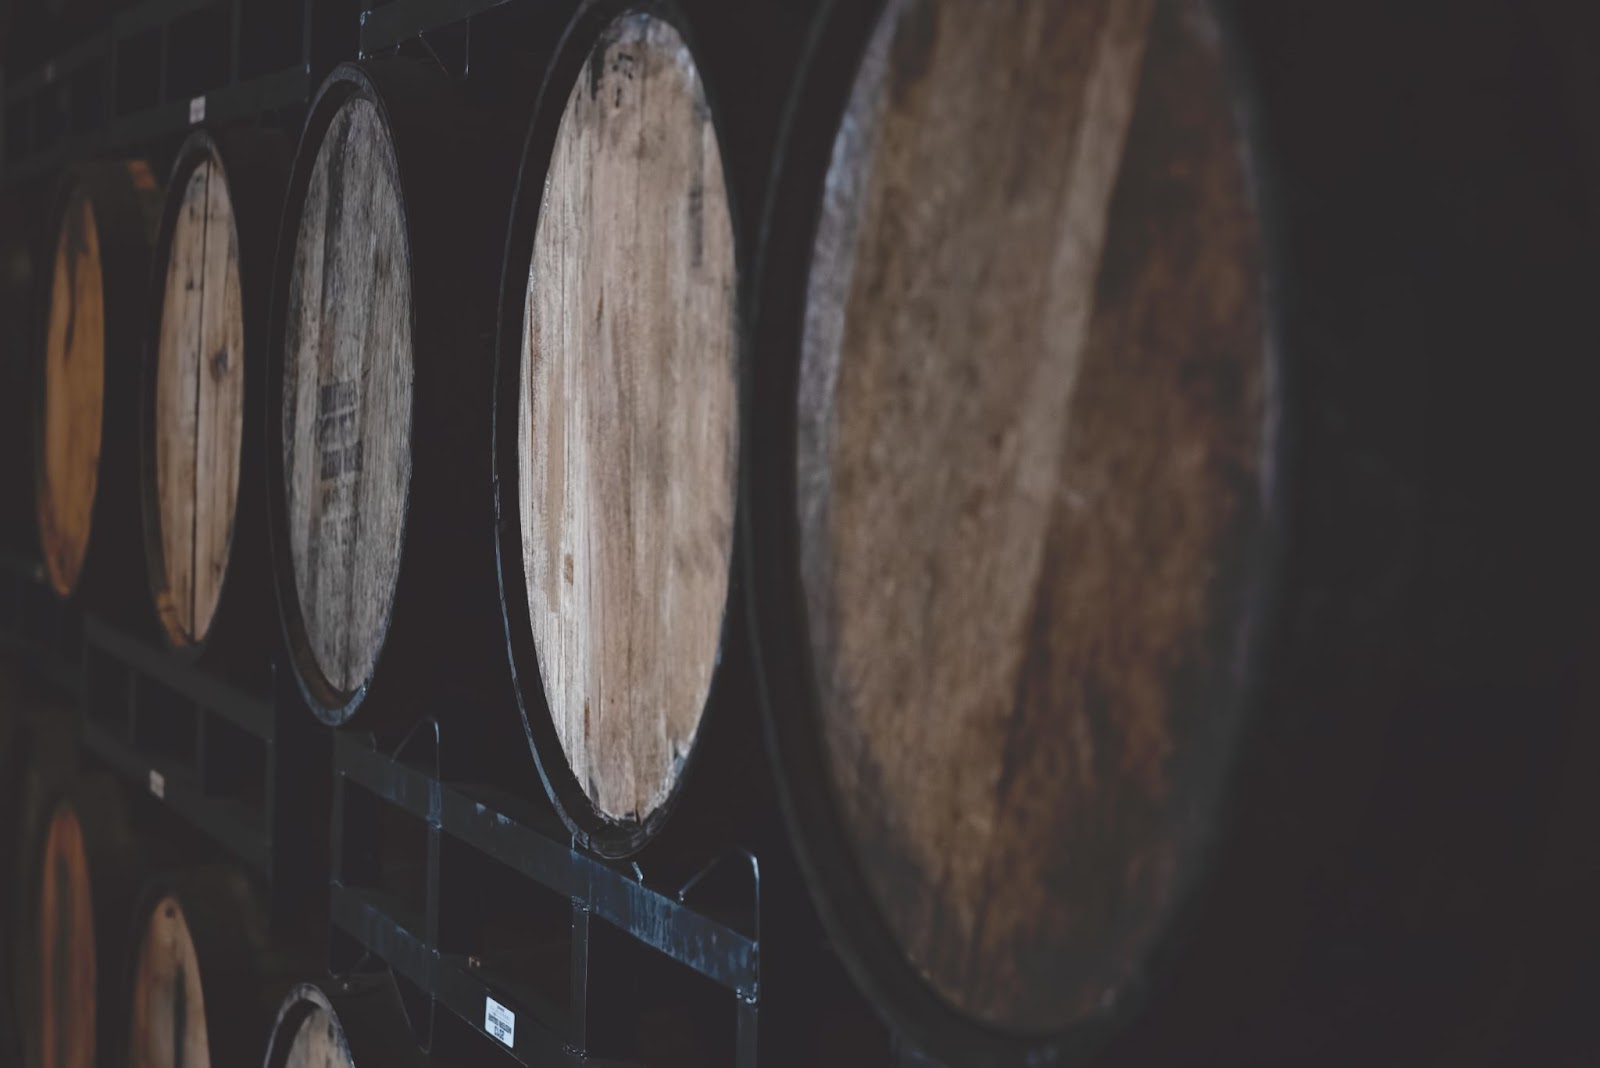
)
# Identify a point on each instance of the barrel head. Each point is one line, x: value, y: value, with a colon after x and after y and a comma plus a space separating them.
x: 628, y: 421
x: 199, y: 404
x: 168, y: 1025
x: 347, y: 398
x: 74, y: 385
x: 1033, y: 426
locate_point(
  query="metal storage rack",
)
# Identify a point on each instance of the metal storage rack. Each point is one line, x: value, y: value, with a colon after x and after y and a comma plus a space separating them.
x: 231, y: 763
x: 156, y: 69
x: 708, y: 924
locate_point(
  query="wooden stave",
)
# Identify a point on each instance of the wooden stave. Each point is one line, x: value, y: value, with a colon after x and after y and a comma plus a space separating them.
x: 243, y: 977
x: 1246, y: 859
x: 438, y: 142
x: 126, y: 218
x: 366, y: 1011
x: 115, y: 868
x: 255, y: 165
x: 723, y: 762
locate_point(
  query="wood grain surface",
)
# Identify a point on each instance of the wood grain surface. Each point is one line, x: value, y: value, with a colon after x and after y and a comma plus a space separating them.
x: 74, y: 383
x: 347, y: 395
x: 318, y: 1043
x: 629, y: 417
x: 199, y: 405
x: 168, y: 1024
x: 1033, y: 406
x: 66, y: 943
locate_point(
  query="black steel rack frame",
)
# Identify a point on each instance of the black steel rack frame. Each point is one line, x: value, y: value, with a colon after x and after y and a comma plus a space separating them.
x: 157, y: 69
x: 233, y: 764
x: 707, y: 925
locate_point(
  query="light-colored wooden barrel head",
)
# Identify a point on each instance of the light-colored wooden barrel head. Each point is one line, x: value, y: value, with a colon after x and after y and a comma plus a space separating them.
x: 199, y: 405
x: 168, y: 1025
x: 347, y: 395
x: 1033, y: 410
x: 66, y: 947
x: 318, y: 1043
x: 74, y: 383
x: 629, y: 436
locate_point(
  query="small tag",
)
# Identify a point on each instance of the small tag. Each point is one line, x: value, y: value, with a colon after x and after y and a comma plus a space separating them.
x: 158, y: 784
x: 500, y: 1022
x: 197, y: 110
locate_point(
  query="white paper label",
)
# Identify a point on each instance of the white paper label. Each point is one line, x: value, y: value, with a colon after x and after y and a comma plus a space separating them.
x: 197, y: 109
x: 158, y: 784
x: 500, y: 1022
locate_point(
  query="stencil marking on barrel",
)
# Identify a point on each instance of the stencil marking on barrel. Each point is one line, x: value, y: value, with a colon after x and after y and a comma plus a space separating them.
x: 73, y: 394
x: 347, y: 384
x: 168, y: 1028
x: 199, y: 403
x: 629, y: 437
x: 1032, y: 413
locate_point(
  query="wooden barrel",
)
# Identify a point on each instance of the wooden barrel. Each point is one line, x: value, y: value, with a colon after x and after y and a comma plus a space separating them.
x: 352, y: 1023
x: 79, y: 886
x: 617, y: 444
x: 86, y: 425
x: 204, y: 985
x: 38, y: 755
x: 1100, y: 652
x: 204, y: 520
x: 381, y: 391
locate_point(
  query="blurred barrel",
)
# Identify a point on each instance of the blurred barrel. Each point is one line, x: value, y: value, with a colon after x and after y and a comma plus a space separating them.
x: 204, y: 520
x: 205, y: 986
x: 38, y: 754
x: 1026, y: 470
x: 1113, y: 549
x: 354, y: 1023
x: 86, y: 421
x: 380, y: 395
x: 79, y: 884
x: 617, y: 439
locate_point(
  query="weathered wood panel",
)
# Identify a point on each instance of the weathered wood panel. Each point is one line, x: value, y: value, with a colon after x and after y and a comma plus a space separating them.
x: 168, y: 1024
x: 74, y: 384
x: 1031, y: 419
x: 199, y: 404
x: 347, y: 395
x: 629, y: 447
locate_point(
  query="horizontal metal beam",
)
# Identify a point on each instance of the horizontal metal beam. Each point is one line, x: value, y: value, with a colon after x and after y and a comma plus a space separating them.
x: 531, y: 847
x: 389, y: 25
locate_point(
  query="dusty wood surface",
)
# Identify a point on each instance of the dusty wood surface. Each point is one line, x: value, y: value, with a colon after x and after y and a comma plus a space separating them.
x: 168, y: 1024
x: 1033, y: 410
x: 629, y: 417
x: 66, y: 947
x: 199, y: 405
x: 347, y: 395
x: 74, y: 383
x: 317, y: 1043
